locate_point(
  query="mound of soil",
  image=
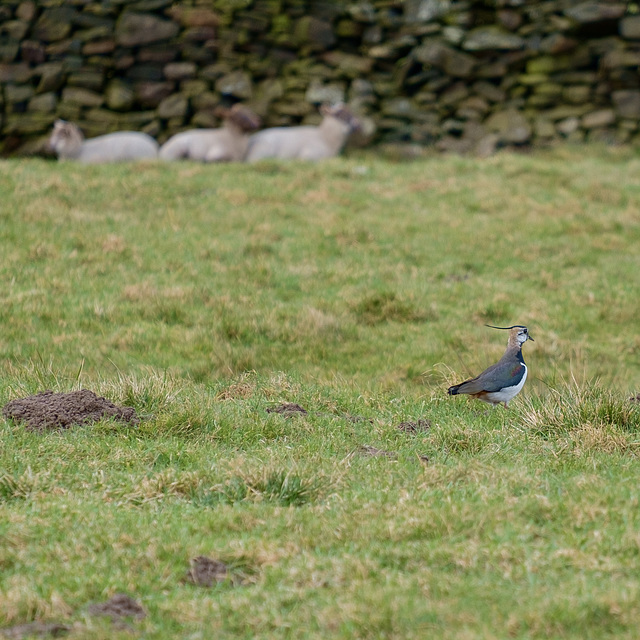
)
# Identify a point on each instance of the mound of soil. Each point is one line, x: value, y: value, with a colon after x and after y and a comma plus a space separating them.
x: 51, y: 411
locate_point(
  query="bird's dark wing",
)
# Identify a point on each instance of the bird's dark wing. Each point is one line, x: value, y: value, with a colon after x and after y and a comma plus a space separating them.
x: 489, y: 380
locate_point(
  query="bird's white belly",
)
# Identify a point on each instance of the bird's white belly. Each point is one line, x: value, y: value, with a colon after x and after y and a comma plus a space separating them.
x: 506, y: 394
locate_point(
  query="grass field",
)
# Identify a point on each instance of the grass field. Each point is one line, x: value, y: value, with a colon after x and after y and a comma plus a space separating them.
x: 359, y: 289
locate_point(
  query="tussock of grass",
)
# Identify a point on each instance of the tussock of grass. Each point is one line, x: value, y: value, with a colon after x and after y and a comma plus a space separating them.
x: 22, y: 601
x: 282, y: 487
x: 467, y: 472
x: 37, y: 375
x: 194, y: 417
x: 285, y: 488
x: 158, y: 487
x: 580, y: 407
x: 21, y: 487
x: 241, y: 388
x: 149, y: 392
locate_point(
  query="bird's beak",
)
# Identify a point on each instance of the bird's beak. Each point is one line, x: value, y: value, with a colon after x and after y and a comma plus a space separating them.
x: 530, y: 338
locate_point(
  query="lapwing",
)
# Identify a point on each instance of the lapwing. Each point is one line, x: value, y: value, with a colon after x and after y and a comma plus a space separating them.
x: 504, y: 380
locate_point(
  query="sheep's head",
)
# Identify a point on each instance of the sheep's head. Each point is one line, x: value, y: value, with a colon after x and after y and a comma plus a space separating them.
x: 66, y: 138
x: 240, y: 116
x: 342, y: 113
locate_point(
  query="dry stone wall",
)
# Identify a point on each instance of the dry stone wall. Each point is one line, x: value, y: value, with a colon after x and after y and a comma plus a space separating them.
x: 462, y: 75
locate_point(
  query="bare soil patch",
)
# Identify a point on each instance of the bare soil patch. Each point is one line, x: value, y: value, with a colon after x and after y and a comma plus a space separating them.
x: 208, y: 572
x: 118, y: 607
x: 288, y: 409
x: 356, y: 419
x: 416, y: 426
x: 368, y: 450
x: 205, y: 572
x: 48, y: 411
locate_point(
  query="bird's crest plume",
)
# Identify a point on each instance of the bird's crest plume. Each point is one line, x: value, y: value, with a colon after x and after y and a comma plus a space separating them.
x: 515, y: 326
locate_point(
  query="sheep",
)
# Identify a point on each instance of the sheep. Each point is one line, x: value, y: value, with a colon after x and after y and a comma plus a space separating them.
x: 69, y: 144
x: 227, y: 144
x: 307, y: 142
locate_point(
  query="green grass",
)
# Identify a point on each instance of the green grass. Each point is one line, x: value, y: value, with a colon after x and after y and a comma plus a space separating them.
x: 358, y: 288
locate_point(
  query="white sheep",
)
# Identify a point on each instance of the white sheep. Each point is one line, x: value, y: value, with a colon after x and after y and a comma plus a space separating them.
x: 226, y: 144
x: 69, y: 144
x: 307, y: 142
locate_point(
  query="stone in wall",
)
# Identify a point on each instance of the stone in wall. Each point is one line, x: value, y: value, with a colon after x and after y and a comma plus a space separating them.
x: 134, y: 29
x: 627, y: 103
